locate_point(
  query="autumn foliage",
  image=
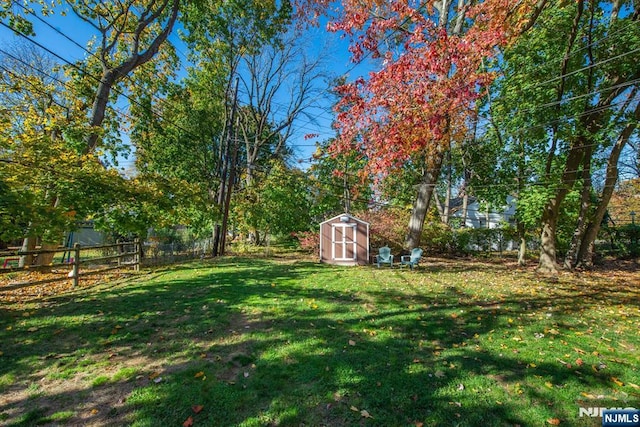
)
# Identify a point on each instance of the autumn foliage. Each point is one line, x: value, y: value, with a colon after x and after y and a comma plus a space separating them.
x: 431, y: 73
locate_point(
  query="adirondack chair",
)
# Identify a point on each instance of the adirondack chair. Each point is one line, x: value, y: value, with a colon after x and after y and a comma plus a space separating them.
x: 413, y: 259
x: 384, y: 256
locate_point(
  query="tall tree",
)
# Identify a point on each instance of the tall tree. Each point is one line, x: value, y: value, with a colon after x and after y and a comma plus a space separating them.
x: 50, y: 182
x: 420, y: 100
x: 574, y: 92
x: 130, y: 34
x: 279, y: 83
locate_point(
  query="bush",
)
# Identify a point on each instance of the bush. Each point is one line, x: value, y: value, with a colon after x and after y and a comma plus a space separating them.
x: 387, y: 227
x: 309, y: 241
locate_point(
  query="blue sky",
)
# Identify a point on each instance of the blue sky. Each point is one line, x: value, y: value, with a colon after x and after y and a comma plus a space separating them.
x: 70, y: 33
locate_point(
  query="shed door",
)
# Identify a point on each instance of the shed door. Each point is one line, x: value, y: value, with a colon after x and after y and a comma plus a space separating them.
x: 343, y: 242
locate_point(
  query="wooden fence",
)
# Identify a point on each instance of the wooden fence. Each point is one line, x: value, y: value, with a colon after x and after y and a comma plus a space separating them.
x: 111, y: 257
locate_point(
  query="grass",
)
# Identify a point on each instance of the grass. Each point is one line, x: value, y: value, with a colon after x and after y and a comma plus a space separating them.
x: 255, y: 342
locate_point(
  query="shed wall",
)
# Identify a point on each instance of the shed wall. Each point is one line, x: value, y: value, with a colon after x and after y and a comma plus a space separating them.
x: 341, y: 242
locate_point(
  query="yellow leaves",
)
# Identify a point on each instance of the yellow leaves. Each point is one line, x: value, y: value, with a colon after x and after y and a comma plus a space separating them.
x: 363, y: 413
x: 617, y: 381
x: 518, y: 388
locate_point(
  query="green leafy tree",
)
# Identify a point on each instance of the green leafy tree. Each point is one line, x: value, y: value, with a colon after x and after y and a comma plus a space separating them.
x: 565, y: 110
x: 277, y: 204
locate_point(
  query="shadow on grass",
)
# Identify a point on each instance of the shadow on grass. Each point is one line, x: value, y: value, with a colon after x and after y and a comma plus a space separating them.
x: 261, y: 343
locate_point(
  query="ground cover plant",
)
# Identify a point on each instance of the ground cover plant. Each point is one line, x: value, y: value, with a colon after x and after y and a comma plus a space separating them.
x: 254, y: 342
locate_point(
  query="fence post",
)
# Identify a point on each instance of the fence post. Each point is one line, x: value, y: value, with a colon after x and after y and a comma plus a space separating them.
x: 138, y: 256
x: 76, y: 265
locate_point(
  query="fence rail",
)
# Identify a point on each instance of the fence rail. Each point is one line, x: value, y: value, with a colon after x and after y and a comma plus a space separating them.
x: 128, y: 254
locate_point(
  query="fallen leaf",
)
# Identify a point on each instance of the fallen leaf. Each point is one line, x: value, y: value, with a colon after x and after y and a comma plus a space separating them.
x: 579, y: 361
x: 197, y: 409
x: 352, y: 342
x: 94, y: 411
x: 553, y: 421
x: 246, y: 374
x: 617, y: 381
x: 365, y: 414
x: 439, y: 374
x: 199, y: 374
x: 637, y: 387
x: 188, y: 422
x: 354, y: 409
x: 548, y: 384
x: 154, y: 375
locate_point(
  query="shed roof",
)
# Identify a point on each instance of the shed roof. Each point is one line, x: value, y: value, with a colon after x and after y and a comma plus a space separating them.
x: 344, y: 214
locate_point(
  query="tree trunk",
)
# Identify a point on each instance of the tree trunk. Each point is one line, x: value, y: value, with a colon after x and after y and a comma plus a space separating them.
x: 447, y: 199
x: 439, y: 206
x: 547, y: 262
x: 421, y: 205
x: 28, y: 244
x: 571, y: 258
x: 522, y: 248
x: 47, y: 258
x: 465, y: 209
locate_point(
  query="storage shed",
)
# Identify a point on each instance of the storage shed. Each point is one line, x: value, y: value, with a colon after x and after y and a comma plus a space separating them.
x: 344, y: 240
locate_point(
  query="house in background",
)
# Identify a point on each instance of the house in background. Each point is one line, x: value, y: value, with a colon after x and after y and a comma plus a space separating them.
x: 85, y: 235
x: 344, y: 240
x: 479, y: 217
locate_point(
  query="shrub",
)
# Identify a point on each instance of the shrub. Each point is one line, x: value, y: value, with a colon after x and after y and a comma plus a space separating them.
x: 387, y: 227
x: 309, y: 241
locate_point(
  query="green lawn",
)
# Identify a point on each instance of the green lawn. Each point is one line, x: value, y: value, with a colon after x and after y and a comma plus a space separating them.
x: 258, y: 342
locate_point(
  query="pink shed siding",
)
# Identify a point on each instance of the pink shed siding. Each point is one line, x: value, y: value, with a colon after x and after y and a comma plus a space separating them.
x: 344, y: 240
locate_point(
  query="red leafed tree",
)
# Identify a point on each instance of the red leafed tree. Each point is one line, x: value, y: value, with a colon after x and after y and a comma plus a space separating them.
x: 422, y: 98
